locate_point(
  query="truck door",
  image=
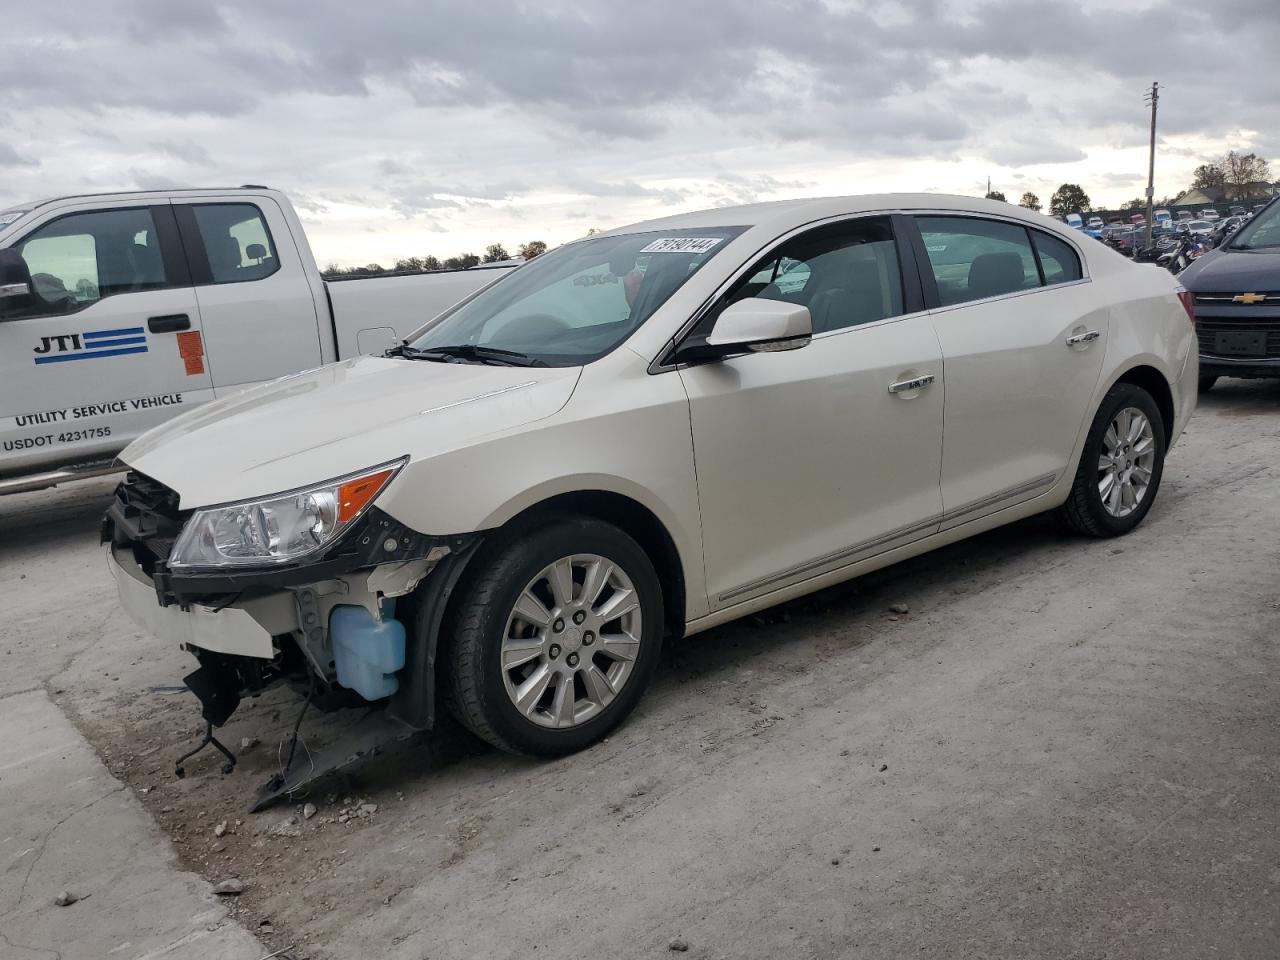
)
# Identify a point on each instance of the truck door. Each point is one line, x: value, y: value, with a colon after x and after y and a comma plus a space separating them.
x: 257, y: 309
x: 106, y: 346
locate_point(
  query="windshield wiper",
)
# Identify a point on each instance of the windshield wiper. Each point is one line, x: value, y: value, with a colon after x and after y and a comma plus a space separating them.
x: 472, y: 352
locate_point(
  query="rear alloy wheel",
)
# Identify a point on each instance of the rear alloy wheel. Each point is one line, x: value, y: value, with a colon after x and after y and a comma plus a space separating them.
x: 1120, y: 467
x: 555, y: 637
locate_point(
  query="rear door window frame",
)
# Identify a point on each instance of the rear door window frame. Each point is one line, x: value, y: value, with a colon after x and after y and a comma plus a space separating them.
x: 193, y: 241
x: 929, y: 285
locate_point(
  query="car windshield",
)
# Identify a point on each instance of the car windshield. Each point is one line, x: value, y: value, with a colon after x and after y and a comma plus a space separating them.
x: 576, y: 303
x: 1262, y: 232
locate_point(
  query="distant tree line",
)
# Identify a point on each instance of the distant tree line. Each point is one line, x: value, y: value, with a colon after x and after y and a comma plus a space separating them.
x: 1239, y: 176
x: 494, y: 253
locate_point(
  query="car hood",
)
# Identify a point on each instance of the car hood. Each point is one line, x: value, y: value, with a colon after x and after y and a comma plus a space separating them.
x: 1233, y: 271
x: 335, y: 420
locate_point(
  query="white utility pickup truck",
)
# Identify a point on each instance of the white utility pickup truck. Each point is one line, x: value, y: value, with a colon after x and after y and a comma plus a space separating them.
x: 119, y: 311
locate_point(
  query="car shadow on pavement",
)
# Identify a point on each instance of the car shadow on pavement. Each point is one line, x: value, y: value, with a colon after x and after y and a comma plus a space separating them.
x: 784, y: 639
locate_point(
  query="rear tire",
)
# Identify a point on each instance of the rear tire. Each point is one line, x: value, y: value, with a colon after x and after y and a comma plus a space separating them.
x: 538, y: 660
x: 1206, y: 383
x: 1120, y: 467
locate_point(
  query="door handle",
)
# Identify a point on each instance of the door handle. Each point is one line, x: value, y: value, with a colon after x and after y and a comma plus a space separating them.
x: 169, y: 323
x: 915, y: 383
x: 1080, y: 338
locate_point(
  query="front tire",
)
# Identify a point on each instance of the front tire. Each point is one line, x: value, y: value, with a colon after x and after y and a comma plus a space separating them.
x: 555, y: 636
x: 1121, y: 465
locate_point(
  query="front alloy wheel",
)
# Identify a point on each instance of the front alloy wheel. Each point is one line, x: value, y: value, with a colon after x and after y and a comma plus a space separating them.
x: 571, y: 640
x: 553, y: 635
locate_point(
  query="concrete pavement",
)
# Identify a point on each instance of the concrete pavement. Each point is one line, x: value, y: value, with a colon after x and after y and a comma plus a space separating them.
x: 67, y: 824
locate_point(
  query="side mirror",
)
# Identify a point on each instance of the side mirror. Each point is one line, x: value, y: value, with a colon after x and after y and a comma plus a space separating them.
x: 15, y: 281
x: 760, y: 326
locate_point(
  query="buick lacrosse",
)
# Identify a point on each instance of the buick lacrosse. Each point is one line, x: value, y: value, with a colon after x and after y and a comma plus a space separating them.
x: 643, y: 434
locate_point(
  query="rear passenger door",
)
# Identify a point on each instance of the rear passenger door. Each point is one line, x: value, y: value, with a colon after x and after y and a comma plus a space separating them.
x: 256, y: 304
x: 1022, y: 348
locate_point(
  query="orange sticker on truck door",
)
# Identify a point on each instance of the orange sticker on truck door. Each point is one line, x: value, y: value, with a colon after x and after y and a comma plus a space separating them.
x: 191, y: 349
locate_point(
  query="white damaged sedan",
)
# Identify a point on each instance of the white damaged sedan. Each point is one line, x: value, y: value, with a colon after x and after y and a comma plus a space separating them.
x: 641, y: 435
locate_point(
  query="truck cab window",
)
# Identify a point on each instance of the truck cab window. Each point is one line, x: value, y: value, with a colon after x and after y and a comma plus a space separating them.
x: 236, y: 241
x: 79, y: 259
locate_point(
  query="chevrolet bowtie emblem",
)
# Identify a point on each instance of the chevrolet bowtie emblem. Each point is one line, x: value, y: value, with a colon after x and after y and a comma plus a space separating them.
x: 1249, y: 298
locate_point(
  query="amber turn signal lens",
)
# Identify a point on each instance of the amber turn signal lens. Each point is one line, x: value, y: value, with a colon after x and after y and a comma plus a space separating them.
x: 354, y: 495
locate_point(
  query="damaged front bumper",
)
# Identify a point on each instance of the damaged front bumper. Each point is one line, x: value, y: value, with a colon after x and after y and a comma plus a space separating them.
x: 357, y: 623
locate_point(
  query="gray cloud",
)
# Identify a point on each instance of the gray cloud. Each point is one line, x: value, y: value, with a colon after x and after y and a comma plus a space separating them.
x: 10, y: 157
x: 448, y: 114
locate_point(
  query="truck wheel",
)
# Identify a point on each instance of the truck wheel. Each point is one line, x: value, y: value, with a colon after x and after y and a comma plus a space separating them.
x: 555, y: 637
x: 1206, y: 383
x: 1120, y: 467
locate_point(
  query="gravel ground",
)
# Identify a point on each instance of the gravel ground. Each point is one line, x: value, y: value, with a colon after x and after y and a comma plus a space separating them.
x: 1064, y: 748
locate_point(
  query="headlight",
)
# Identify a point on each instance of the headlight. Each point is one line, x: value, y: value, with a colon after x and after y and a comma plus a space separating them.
x: 278, y: 529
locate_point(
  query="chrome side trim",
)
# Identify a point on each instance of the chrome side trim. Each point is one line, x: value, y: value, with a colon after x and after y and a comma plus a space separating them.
x: 847, y: 556
x: 839, y: 557
x: 1029, y: 487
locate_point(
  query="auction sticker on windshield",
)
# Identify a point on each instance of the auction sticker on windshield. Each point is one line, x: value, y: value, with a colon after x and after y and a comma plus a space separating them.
x: 682, y: 245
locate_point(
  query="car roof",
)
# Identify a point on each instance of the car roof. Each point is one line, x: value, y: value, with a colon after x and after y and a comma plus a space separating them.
x: 783, y: 215
x: 136, y: 194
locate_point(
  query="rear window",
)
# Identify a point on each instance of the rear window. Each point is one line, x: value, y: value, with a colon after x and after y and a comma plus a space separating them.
x: 236, y: 242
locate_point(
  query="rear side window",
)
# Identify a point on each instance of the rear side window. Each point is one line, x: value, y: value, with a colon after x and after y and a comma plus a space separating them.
x: 82, y: 258
x: 236, y: 241
x: 973, y: 259
x: 1060, y: 263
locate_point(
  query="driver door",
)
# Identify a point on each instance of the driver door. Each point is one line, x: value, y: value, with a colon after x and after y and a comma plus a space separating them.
x: 812, y: 459
x: 108, y: 347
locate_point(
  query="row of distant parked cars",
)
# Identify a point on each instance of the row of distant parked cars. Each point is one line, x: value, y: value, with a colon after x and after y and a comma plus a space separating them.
x: 1127, y: 237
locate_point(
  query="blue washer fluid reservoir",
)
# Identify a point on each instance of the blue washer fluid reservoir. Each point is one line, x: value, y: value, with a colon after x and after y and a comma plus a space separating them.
x: 367, y: 653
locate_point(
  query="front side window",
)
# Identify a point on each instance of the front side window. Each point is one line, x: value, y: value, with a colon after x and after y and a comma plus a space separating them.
x: 580, y: 301
x: 79, y: 259
x: 846, y: 273
x: 236, y: 241
x: 973, y: 259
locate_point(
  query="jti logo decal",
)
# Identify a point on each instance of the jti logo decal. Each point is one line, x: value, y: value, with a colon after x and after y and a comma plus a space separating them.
x: 91, y: 344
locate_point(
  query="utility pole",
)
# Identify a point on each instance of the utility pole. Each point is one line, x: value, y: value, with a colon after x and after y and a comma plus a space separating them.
x: 1153, y: 98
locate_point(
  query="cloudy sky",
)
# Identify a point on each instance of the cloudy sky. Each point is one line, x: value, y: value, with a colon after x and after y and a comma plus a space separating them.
x: 420, y: 127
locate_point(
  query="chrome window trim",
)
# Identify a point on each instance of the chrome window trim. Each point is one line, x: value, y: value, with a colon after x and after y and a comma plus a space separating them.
x: 1000, y: 218
x: 1009, y: 296
x: 656, y: 366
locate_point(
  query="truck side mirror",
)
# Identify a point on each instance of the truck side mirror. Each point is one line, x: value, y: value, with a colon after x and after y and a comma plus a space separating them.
x: 15, y: 282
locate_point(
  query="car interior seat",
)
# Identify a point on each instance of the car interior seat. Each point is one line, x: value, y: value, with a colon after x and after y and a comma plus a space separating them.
x: 992, y: 274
